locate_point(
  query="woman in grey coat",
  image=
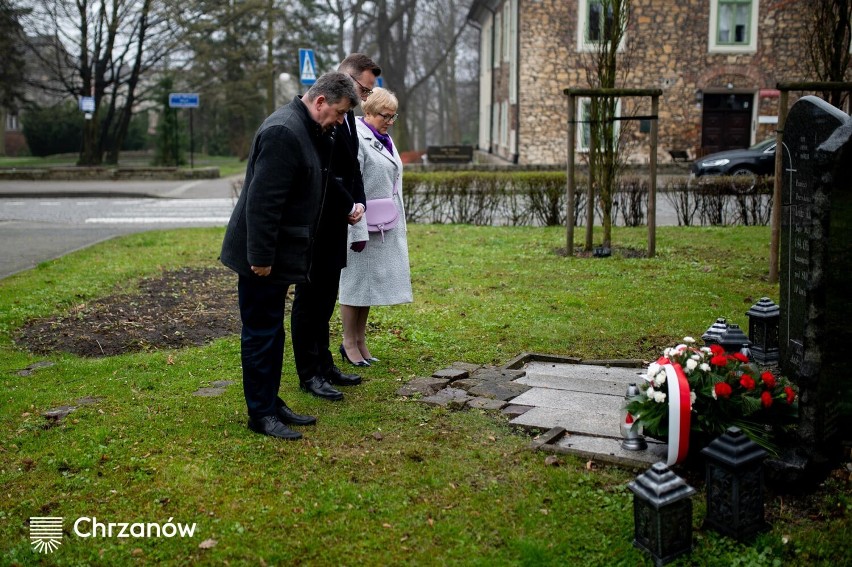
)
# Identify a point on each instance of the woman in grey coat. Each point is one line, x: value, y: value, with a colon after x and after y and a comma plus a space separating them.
x: 377, y: 270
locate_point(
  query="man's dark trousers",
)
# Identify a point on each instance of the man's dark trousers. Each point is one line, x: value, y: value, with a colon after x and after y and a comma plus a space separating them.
x: 262, y: 342
x: 313, y: 307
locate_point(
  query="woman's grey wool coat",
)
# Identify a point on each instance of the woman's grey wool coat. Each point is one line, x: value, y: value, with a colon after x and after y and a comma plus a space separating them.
x: 380, y: 274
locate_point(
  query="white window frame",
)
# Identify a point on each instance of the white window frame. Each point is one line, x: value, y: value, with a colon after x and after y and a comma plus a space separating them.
x: 507, y: 30
x: 497, y: 56
x: 513, y: 53
x: 715, y: 47
x: 584, y: 128
x: 583, y: 44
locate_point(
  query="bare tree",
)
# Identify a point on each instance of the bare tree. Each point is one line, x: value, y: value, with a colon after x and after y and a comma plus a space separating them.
x: 828, y: 42
x: 102, y: 49
x: 607, y: 25
x: 406, y: 39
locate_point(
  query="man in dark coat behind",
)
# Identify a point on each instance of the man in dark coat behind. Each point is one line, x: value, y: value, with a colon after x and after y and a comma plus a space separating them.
x: 314, y: 301
x: 271, y: 239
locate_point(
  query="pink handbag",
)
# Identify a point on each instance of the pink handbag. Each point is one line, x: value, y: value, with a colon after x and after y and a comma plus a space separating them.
x: 382, y: 214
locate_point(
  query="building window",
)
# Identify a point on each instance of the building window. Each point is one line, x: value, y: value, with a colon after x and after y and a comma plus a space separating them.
x: 733, y: 25
x: 596, y: 24
x: 584, y: 127
x: 13, y: 124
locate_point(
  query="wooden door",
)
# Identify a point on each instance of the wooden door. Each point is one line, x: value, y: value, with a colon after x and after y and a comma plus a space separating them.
x: 726, y: 122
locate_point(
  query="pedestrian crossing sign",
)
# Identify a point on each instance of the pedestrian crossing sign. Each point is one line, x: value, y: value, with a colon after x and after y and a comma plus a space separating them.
x: 307, y: 67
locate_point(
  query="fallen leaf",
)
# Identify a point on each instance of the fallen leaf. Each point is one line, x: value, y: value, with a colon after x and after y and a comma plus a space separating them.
x: 171, y: 360
x: 545, y: 511
x: 591, y: 465
x: 136, y: 552
x: 552, y: 461
x: 431, y: 522
x: 386, y: 525
x: 207, y: 544
x: 378, y: 436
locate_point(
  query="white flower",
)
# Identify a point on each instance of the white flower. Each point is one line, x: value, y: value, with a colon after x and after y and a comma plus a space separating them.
x: 680, y: 348
x: 696, y: 356
x: 668, y: 352
x: 691, y: 365
x: 650, y: 391
x: 659, y: 397
x: 653, y: 368
x: 660, y: 378
x: 704, y: 367
x: 688, y: 340
x: 692, y: 397
x: 705, y: 350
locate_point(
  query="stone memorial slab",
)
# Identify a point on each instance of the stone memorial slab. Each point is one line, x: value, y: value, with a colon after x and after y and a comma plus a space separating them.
x: 815, y: 274
x: 610, y: 450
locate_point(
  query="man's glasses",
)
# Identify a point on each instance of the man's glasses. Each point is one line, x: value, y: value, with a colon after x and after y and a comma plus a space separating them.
x: 364, y: 90
x: 389, y: 117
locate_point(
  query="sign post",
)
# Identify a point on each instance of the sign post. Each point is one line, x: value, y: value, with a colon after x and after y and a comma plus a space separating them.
x: 190, y: 101
x: 307, y: 67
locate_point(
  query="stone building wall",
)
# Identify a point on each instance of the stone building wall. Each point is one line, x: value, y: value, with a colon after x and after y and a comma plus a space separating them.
x: 667, y: 48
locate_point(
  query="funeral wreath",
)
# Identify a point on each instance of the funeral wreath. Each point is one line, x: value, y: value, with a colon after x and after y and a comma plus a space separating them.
x: 702, y: 391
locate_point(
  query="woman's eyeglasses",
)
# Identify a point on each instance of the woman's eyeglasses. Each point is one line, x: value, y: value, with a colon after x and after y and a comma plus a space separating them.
x: 389, y: 117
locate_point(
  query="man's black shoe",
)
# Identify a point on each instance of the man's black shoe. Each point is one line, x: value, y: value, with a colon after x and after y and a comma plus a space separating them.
x: 338, y: 378
x: 319, y: 387
x: 287, y: 415
x: 272, y: 426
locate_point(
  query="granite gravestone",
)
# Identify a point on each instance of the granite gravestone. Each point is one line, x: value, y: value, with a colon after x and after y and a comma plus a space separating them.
x: 816, y: 273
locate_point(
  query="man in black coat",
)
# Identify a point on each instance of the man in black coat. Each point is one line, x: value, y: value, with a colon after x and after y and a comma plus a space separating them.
x: 272, y: 236
x: 314, y: 301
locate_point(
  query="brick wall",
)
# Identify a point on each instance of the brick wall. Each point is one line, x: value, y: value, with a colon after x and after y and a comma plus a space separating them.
x: 667, y: 48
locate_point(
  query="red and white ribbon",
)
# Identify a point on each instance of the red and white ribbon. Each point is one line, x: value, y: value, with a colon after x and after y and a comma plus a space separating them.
x: 680, y: 408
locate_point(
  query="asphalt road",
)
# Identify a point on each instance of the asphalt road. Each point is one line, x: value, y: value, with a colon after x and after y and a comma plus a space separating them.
x: 41, y: 221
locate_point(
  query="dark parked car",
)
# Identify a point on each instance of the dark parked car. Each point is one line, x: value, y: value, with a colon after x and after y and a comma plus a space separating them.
x: 756, y: 160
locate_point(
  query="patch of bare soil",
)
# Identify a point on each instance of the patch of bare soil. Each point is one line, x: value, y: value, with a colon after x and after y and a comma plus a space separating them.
x: 180, y: 308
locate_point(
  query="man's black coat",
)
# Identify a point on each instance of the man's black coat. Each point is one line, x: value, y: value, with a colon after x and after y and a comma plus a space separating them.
x: 276, y: 218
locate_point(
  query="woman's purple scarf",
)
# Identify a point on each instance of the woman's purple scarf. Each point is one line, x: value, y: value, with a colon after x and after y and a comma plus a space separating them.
x: 385, y: 139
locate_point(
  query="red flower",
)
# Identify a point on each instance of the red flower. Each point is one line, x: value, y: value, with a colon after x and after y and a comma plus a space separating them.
x: 719, y: 360
x: 747, y: 382
x: 716, y: 350
x: 723, y: 390
x: 791, y: 395
x: 766, y: 399
x: 740, y: 356
x: 768, y: 379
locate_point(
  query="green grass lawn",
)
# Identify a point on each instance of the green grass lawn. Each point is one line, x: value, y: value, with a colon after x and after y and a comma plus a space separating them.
x: 227, y: 165
x: 380, y: 480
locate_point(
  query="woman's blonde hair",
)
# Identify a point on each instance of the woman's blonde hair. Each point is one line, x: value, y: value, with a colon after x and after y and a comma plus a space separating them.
x: 380, y: 100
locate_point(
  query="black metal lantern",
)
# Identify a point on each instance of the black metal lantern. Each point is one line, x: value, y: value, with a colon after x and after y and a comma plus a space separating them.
x: 763, y: 320
x: 733, y: 339
x: 662, y: 514
x: 711, y: 335
x: 735, y: 485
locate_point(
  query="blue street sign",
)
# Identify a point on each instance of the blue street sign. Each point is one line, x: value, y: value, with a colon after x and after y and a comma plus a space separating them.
x: 380, y: 82
x: 307, y: 67
x: 183, y: 100
x: 87, y: 103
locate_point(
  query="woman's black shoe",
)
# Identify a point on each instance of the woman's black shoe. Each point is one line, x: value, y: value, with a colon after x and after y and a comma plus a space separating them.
x: 350, y: 361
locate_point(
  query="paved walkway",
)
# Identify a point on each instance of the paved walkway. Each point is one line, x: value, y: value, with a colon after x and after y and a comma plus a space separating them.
x: 586, y: 401
x: 576, y: 406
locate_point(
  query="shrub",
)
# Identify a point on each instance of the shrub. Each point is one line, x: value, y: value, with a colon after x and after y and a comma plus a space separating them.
x: 54, y: 129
